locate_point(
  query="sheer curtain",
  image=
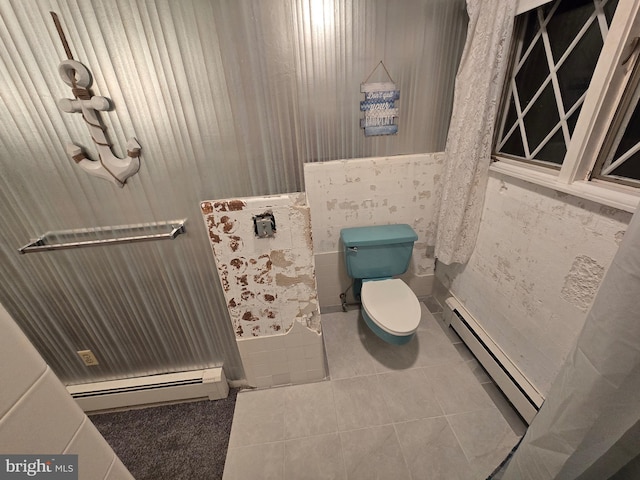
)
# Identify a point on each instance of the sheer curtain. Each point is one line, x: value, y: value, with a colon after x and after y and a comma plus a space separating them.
x: 476, y: 100
x: 589, y: 426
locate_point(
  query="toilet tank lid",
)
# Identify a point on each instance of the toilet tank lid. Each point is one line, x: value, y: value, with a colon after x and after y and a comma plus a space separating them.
x: 377, y: 235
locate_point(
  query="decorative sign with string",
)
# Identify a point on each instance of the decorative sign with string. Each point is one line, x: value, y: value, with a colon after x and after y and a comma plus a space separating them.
x: 380, y: 111
x: 108, y: 166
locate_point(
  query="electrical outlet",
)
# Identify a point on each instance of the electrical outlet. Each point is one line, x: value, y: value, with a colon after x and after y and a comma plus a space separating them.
x: 88, y: 357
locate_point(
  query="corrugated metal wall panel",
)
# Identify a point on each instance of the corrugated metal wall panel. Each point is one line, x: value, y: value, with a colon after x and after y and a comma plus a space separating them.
x: 227, y: 99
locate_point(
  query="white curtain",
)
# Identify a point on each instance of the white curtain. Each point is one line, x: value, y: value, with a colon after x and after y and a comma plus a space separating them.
x: 589, y: 426
x: 476, y: 100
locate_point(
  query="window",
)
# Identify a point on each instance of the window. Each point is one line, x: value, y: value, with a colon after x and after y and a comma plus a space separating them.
x: 557, y: 47
x: 570, y: 113
x: 619, y: 159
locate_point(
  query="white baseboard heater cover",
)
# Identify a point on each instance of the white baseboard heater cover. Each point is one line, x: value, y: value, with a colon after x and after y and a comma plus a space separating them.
x: 525, y: 398
x: 173, y: 387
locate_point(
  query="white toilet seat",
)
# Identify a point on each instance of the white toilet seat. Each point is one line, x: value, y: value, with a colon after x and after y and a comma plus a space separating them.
x: 392, y: 305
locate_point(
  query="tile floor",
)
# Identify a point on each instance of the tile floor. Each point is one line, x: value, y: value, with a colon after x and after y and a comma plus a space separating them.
x: 425, y: 410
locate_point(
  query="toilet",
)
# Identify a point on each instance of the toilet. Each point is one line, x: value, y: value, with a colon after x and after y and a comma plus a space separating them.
x: 373, y: 256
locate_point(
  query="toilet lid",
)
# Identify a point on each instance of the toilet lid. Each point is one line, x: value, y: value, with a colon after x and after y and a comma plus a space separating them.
x: 392, y: 305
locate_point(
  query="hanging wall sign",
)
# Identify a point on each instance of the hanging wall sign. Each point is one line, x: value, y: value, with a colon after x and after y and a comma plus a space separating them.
x: 379, y: 106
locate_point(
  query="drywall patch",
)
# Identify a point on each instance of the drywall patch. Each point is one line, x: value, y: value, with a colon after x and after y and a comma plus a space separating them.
x: 279, y: 259
x: 582, y: 282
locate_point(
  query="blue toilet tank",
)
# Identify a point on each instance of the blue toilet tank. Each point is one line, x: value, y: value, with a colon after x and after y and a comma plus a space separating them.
x: 378, y: 252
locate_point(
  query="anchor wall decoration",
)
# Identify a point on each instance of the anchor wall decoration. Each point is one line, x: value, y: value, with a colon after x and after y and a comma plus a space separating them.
x: 108, y: 166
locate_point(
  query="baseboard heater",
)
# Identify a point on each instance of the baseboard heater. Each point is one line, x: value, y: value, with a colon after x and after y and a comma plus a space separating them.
x: 153, y: 389
x: 525, y: 398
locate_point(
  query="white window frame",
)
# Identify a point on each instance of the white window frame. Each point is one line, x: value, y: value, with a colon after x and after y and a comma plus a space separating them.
x: 604, y: 94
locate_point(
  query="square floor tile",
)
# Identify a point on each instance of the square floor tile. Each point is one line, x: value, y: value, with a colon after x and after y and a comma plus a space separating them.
x: 258, y: 417
x: 485, y: 437
x: 309, y: 410
x: 427, y: 319
x: 448, y: 331
x: 432, y: 304
x: 431, y: 450
x: 409, y: 396
x: 373, y: 454
x: 388, y: 358
x: 457, y: 389
x: 336, y: 326
x: 256, y: 462
x: 344, y: 344
x: 314, y: 458
x: 429, y: 346
x: 359, y: 403
x: 435, y: 348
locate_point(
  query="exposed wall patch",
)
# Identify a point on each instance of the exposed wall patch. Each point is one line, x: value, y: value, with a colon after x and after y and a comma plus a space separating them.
x: 582, y: 282
x: 269, y: 283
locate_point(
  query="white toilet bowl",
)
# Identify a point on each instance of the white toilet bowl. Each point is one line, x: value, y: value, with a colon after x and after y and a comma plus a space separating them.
x: 391, y: 309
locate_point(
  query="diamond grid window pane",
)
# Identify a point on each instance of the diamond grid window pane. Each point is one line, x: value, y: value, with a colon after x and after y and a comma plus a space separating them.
x: 609, y: 10
x: 513, y: 145
x: 629, y: 169
x: 575, y: 73
x: 573, y: 119
x: 541, y: 118
x: 623, y: 162
x: 532, y: 74
x: 557, y: 50
x: 565, y: 24
x: 555, y: 148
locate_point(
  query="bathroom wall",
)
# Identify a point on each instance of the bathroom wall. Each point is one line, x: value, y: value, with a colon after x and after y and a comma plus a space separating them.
x: 537, y: 265
x: 39, y: 417
x: 227, y: 99
x: 371, y: 191
x: 269, y: 286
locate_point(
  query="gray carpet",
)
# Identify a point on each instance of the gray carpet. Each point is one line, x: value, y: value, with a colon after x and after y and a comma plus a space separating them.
x: 182, y: 441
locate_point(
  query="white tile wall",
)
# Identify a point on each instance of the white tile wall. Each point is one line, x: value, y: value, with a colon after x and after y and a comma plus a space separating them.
x: 371, y: 191
x: 294, y: 358
x: 514, y: 284
x: 94, y: 453
x: 38, y: 416
x: 118, y: 471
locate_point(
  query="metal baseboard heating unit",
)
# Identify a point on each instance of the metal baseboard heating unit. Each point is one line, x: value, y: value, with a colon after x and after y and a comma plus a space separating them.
x: 173, y: 387
x: 521, y: 393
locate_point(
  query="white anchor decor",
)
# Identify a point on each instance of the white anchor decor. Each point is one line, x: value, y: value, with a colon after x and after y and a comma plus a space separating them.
x: 108, y: 166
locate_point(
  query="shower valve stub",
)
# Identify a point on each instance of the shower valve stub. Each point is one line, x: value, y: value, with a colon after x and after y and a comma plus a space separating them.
x: 264, y: 225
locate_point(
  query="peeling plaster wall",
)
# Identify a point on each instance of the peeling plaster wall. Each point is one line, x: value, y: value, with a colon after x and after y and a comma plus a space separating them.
x: 269, y: 286
x: 537, y: 265
x: 371, y: 191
